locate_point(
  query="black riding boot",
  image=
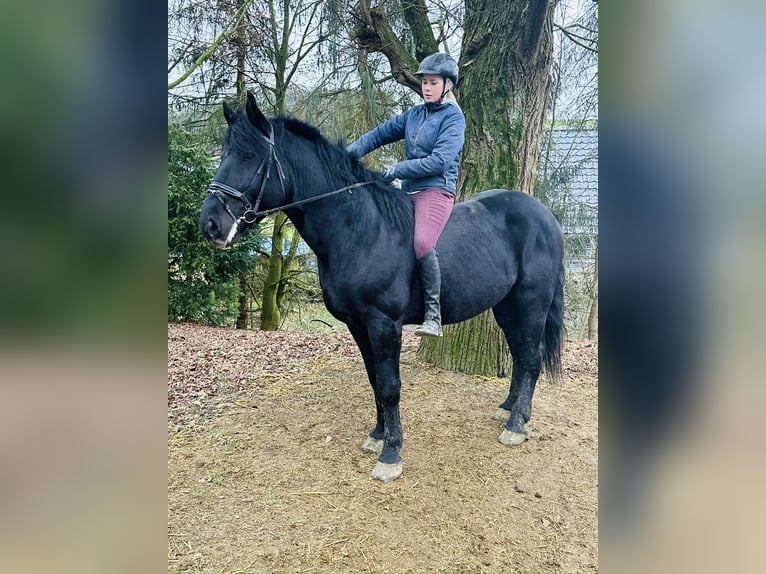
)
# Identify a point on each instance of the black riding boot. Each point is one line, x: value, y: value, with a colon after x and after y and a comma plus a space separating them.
x: 431, y: 277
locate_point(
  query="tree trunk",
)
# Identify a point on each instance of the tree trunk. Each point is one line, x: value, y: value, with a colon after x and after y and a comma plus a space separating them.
x: 271, y: 315
x: 276, y: 279
x: 593, y: 311
x: 243, y: 318
x: 478, y: 346
x: 506, y: 60
x: 287, y: 267
x: 240, y: 41
x: 416, y: 16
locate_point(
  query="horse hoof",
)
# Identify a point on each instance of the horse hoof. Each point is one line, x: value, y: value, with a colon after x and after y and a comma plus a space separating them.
x: 373, y: 445
x: 511, y: 438
x: 387, y: 472
x: 502, y: 415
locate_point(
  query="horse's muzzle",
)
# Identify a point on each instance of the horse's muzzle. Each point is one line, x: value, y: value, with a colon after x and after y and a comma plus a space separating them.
x: 213, y: 232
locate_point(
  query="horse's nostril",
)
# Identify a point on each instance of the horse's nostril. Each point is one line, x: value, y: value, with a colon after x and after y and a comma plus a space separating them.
x: 211, y: 229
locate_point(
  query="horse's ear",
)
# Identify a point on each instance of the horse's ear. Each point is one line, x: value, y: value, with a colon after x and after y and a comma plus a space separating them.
x: 229, y: 114
x: 256, y: 117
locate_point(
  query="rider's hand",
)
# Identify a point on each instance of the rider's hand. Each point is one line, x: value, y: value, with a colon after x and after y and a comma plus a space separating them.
x: 388, y: 175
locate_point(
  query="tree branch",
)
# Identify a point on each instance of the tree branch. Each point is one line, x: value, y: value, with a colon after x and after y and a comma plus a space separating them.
x: 373, y: 33
x: 416, y: 16
x: 181, y: 56
x: 205, y: 55
x: 575, y: 39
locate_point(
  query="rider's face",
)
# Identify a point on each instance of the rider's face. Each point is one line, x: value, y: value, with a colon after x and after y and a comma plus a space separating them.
x: 432, y: 86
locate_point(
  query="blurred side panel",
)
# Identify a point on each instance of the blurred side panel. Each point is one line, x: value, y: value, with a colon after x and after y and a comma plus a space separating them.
x: 82, y: 287
x: 681, y: 272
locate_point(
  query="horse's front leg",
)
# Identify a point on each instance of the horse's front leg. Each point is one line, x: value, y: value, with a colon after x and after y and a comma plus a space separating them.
x: 386, y: 342
x: 374, y: 442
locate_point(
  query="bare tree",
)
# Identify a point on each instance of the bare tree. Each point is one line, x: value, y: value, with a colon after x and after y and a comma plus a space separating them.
x: 228, y: 47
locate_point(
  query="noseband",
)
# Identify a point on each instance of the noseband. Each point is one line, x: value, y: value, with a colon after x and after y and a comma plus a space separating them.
x: 220, y: 190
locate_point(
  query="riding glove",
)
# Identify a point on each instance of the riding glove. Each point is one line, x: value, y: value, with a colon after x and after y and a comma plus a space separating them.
x: 388, y: 175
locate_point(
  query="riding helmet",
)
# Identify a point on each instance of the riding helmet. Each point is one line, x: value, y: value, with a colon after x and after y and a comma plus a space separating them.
x: 440, y: 65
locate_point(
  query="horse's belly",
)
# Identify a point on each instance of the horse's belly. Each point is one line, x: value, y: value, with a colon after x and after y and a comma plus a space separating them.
x: 461, y: 304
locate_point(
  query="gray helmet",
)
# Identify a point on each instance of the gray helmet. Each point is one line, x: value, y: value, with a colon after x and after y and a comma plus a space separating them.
x: 440, y: 65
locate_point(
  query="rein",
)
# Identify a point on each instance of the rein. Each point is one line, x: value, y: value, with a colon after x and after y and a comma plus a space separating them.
x: 310, y: 199
x: 251, y: 213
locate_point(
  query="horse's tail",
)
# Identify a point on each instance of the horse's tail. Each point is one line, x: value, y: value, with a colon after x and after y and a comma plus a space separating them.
x: 554, y: 329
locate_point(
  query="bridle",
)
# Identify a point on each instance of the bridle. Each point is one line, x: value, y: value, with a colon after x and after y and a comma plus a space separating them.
x: 251, y: 214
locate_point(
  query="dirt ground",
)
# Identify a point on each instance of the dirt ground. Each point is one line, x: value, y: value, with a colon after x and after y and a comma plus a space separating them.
x: 266, y: 474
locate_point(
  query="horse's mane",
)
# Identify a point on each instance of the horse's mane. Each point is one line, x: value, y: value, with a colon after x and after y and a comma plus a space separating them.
x: 339, y: 168
x: 242, y: 136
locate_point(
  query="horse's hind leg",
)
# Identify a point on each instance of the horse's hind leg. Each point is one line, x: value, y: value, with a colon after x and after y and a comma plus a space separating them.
x: 504, y: 410
x: 519, y: 402
x: 374, y: 442
x: 523, y: 323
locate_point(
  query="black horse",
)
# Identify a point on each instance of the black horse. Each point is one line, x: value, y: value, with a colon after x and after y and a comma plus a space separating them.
x: 500, y: 249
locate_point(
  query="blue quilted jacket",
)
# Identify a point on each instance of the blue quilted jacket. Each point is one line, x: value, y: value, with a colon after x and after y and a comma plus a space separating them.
x: 433, y: 138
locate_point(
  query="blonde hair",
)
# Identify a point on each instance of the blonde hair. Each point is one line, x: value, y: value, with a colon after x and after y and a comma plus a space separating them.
x: 449, y: 95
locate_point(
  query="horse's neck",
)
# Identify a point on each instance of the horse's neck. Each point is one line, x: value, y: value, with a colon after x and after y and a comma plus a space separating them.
x: 334, y: 226
x: 317, y: 220
x: 321, y: 225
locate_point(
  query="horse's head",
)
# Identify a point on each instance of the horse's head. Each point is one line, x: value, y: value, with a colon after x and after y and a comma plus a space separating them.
x: 249, y: 178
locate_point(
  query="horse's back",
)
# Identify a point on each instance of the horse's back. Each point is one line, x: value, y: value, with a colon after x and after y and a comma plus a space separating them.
x: 508, y: 206
x: 498, y: 218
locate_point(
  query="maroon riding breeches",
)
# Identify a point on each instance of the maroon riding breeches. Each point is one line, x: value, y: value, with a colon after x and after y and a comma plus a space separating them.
x: 432, y: 209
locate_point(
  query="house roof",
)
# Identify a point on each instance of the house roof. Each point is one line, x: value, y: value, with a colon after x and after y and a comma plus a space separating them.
x: 569, y: 165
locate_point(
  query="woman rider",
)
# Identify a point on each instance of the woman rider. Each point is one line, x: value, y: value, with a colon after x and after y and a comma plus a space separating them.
x: 433, y: 134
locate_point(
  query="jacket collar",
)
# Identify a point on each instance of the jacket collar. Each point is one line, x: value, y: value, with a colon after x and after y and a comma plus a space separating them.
x: 433, y: 106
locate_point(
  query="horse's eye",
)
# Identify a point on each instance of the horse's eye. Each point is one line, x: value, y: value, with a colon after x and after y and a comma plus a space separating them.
x: 247, y: 156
